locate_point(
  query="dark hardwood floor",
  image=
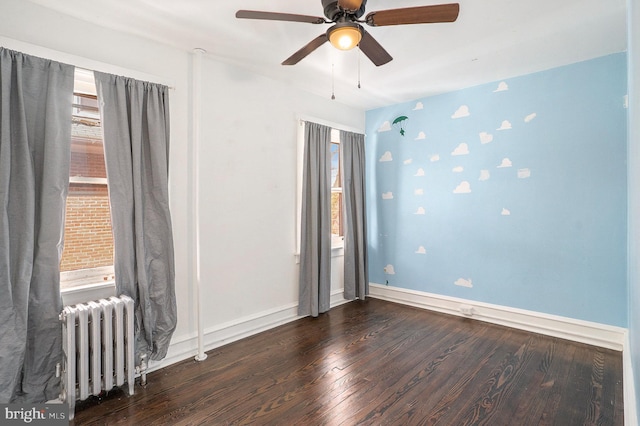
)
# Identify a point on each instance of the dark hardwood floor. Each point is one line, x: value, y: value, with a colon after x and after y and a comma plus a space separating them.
x: 379, y: 363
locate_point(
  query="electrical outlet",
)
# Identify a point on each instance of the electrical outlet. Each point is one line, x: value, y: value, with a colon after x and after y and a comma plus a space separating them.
x: 466, y: 310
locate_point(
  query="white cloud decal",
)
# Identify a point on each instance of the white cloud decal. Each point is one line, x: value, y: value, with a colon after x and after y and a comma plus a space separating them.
x: 386, y: 157
x: 421, y: 136
x: 419, y: 191
x: 506, y: 125
x: 458, y: 169
x: 389, y: 270
x: 387, y: 196
x: 462, y: 149
x: 505, y: 212
x: 408, y: 161
x: 484, y: 175
x: 386, y: 127
x: 463, y: 188
x: 502, y: 87
x: 421, y: 250
x: 485, y: 138
x: 418, y: 106
x: 529, y: 118
x: 419, y: 173
x: 421, y: 211
x: 505, y: 163
x: 464, y: 282
x: 463, y: 111
x: 524, y: 173
x: 434, y: 158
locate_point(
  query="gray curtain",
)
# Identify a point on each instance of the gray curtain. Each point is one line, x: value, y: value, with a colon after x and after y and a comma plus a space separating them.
x: 135, y: 122
x: 315, y: 245
x: 356, y: 276
x: 35, y: 139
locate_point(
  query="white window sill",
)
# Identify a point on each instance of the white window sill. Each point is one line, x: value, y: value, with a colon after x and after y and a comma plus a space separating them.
x: 88, y: 180
x: 88, y: 292
x: 336, y: 251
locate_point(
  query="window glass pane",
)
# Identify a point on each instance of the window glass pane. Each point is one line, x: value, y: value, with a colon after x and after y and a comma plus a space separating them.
x: 335, y: 166
x: 336, y: 213
x: 87, y: 151
x: 88, y: 240
x: 336, y: 186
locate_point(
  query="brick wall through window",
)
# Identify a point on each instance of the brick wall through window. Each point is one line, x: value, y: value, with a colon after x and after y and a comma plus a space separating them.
x: 88, y: 242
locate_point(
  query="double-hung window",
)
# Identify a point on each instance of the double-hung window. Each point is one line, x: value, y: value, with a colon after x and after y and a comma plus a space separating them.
x: 87, y: 259
x: 337, y: 200
x: 337, y: 233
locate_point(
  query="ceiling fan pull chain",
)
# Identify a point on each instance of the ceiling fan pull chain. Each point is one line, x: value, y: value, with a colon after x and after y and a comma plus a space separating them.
x: 333, y: 82
x: 359, y: 54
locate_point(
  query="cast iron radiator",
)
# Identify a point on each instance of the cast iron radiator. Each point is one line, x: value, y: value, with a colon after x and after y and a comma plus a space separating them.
x: 98, y: 348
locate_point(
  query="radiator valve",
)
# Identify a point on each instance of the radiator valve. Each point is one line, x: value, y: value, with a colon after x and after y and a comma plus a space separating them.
x: 142, y: 369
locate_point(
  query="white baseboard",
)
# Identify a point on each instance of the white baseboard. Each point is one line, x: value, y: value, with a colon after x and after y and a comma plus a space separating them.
x: 629, y: 384
x: 222, y: 334
x: 566, y: 328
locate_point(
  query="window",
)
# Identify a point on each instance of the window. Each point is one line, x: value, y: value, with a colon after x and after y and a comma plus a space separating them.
x: 88, y: 240
x: 337, y: 210
x: 337, y: 234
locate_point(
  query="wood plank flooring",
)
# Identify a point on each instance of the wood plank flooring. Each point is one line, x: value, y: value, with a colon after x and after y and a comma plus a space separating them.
x: 379, y: 363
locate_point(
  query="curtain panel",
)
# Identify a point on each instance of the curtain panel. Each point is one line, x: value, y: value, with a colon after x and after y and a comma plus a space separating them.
x: 135, y: 121
x: 35, y: 147
x: 356, y: 275
x: 315, y: 245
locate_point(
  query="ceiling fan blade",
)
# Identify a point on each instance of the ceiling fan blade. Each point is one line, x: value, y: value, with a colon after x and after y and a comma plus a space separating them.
x: 414, y: 15
x: 275, y: 16
x: 306, y: 50
x: 374, y: 51
x: 350, y: 4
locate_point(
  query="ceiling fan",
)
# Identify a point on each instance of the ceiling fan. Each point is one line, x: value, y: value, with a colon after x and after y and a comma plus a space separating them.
x: 347, y: 33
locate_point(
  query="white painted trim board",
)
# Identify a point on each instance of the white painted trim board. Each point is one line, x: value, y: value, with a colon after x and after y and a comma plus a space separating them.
x: 223, y: 334
x: 591, y: 333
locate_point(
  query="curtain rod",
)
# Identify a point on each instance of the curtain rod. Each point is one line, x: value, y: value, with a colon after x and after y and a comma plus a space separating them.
x: 126, y: 76
x: 337, y: 126
x: 82, y: 62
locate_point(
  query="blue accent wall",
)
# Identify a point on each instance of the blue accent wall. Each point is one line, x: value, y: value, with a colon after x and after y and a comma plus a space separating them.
x: 511, y: 193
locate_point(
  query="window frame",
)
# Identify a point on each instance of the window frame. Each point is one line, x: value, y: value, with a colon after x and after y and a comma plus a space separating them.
x: 80, y: 294
x: 337, y: 240
x: 337, y: 247
x: 80, y: 285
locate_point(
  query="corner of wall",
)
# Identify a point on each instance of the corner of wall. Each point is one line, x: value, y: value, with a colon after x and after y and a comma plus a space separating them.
x: 629, y: 385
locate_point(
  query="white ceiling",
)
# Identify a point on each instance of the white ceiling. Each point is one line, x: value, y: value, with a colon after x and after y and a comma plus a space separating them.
x: 491, y: 40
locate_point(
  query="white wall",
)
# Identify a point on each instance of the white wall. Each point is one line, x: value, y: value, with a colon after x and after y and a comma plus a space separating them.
x: 248, y: 205
x: 632, y: 361
x: 248, y: 170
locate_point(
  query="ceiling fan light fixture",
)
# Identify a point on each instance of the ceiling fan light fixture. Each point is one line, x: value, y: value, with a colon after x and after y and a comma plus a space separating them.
x: 347, y: 33
x: 345, y: 36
